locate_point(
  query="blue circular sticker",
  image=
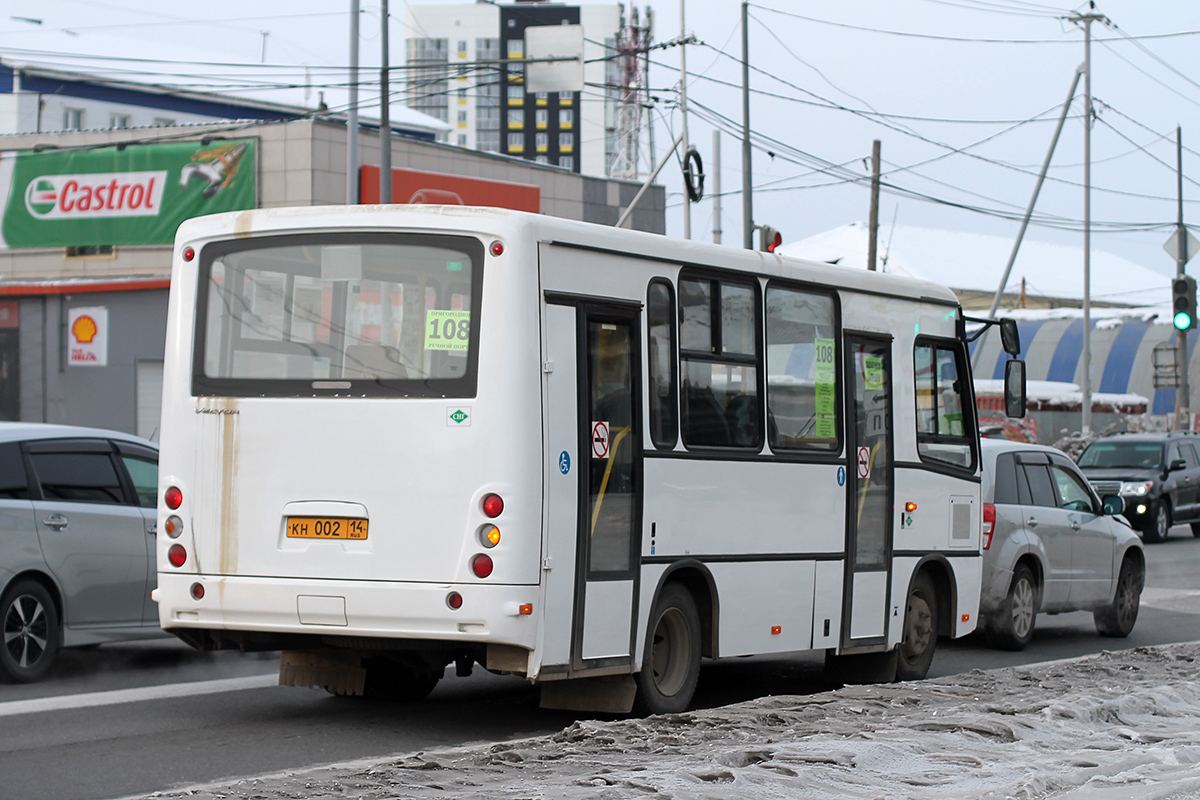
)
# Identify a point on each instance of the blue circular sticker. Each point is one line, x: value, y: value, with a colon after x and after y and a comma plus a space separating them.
x: 841, y: 476
x: 564, y: 462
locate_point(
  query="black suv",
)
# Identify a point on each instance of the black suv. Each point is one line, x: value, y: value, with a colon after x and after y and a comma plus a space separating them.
x: 1157, y: 474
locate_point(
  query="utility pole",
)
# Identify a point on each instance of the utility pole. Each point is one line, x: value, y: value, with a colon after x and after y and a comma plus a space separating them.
x: 747, y: 200
x: 1183, y: 400
x: 873, y: 224
x: 1086, y: 357
x: 352, y: 112
x: 687, y: 198
x: 385, y: 122
x: 716, y: 186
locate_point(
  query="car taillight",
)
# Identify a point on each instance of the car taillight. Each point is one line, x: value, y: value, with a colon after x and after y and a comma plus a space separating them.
x: 177, y: 555
x: 173, y: 498
x: 493, y: 505
x: 989, y: 524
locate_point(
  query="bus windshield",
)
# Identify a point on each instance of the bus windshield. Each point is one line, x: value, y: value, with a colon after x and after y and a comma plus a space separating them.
x: 337, y: 314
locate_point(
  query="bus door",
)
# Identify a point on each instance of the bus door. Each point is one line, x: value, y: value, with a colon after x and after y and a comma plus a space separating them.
x: 869, y: 490
x: 605, y: 459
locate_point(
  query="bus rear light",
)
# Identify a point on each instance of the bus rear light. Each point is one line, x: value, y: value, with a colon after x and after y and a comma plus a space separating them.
x: 173, y: 498
x: 497, y: 248
x: 989, y: 524
x: 177, y: 555
x: 493, y: 505
x: 525, y: 609
x: 188, y: 253
x: 197, y: 591
x: 454, y: 600
x: 489, y: 536
x: 173, y: 526
x: 481, y: 565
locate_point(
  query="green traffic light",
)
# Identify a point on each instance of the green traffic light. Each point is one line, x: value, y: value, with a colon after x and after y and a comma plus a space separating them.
x: 1182, y: 321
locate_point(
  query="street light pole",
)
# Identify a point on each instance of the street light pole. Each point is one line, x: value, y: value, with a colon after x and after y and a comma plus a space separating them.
x: 747, y: 200
x: 385, y: 121
x: 352, y: 112
x: 687, y: 198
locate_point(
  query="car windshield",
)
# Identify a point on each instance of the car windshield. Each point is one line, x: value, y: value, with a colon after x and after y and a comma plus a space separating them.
x: 1137, y: 455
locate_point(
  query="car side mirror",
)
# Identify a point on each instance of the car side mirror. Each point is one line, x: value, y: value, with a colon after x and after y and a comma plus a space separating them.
x: 1014, y: 388
x: 1177, y: 465
x: 1114, y: 506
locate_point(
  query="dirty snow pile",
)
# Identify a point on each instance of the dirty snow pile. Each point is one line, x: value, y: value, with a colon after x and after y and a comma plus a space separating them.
x: 1106, y: 727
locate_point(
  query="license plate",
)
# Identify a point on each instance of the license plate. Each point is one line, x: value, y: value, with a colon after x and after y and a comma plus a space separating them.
x: 326, y: 528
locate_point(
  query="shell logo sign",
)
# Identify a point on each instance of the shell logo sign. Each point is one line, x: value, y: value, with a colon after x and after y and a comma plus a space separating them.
x: 87, y: 337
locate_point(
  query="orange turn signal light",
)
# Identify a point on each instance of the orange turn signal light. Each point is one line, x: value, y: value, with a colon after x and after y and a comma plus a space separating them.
x: 910, y: 507
x: 776, y: 630
x: 526, y: 609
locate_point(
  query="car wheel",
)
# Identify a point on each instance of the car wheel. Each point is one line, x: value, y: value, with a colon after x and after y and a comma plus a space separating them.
x: 920, y: 631
x: 31, y: 636
x: 1117, y: 618
x: 1158, y: 524
x: 671, y: 661
x: 1013, y: 627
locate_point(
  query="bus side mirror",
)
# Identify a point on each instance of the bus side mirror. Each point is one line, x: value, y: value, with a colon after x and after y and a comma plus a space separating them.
x: 1010, y: 338
x: 1014, y: 388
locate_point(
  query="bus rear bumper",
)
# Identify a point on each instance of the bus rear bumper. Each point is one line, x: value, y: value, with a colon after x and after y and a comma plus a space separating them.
x: 382, y: 609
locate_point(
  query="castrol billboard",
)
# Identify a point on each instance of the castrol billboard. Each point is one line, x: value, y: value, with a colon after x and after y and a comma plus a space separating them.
x: 111, y: 196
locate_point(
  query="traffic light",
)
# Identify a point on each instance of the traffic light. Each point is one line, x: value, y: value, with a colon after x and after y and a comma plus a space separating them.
x: 769, y: 239
x: 1183, y: 303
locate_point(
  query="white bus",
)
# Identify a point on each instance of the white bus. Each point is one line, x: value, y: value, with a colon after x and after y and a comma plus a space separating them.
x: 399, y: 437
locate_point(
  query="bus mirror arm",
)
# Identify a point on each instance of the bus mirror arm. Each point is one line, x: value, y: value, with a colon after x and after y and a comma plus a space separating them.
x: 1010, y: 337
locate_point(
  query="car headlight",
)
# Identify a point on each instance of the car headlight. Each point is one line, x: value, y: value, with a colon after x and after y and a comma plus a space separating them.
x: 1137, y: 488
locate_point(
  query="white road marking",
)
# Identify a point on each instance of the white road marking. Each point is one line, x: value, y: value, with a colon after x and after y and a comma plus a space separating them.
x: 116, y: 696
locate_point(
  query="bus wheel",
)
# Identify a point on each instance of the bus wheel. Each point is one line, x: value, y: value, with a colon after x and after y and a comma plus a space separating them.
x: 391, y: 680
x: 920, y: 631
x: 671, y: 661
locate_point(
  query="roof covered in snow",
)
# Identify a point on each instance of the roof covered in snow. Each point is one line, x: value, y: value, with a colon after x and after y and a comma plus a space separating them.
x: 974, y: 262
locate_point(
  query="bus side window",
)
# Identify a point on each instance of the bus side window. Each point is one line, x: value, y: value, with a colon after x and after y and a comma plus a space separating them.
x: 660, y: 320
x: 801, y: 370
x: 719, y: 363
x: 944, y: 431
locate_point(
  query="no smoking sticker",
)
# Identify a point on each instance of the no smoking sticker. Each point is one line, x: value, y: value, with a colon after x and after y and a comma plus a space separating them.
x: 600, y: 440
x: 864, y: 462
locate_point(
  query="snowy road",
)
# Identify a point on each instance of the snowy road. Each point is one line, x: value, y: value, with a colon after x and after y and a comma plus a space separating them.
x: 1112, y: 726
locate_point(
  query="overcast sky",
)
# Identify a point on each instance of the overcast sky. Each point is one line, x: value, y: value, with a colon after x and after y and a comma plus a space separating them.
x: 963, y: 94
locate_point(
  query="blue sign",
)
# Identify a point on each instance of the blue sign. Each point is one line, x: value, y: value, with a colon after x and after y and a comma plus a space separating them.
x: 564, y: 462
x: 841, y: 476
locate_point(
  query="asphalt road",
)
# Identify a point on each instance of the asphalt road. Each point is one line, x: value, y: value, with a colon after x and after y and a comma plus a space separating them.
x: 131, y: 719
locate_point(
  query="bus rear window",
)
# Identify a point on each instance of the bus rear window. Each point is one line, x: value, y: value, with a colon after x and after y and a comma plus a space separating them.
x: 339, y: 314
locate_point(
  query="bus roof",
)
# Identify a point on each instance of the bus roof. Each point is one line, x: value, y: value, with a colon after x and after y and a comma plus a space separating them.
x: 499, y: 222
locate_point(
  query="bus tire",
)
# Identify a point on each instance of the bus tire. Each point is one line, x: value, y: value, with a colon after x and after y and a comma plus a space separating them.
x: 671, y: 660
x: 392, y: 680
x: 920, y: 630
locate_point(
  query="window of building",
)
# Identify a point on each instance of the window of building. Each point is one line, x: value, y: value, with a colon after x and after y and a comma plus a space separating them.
x: 462, y: 48
x: 516, y: 48
x: 516, y: 118
x: 72, y: 119
x: 163, y: 122
x: 428, y: 85
x: 542, y: 159
x: 516, y: 95
x: 91, y: 251
x: 462, y: 140
x: 541, y: 98
x: 566, y: 98
x: 516, y: 142
x: 943, y: 429
x: 542, y: 142
x: 118, y: 121
x: 566, y: 142
x: 566, y: 162
x: 488, y: 141
x: 801, y: 370
x: 660, y: 322
x: 462, y: 95
x: 566, y: 117
x: 462, y: 119
x: 718, y: 352
x: 541, y: 117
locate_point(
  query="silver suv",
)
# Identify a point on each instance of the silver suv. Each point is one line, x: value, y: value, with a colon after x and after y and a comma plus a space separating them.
x: 1050, y: 544
x: 77, y: 528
